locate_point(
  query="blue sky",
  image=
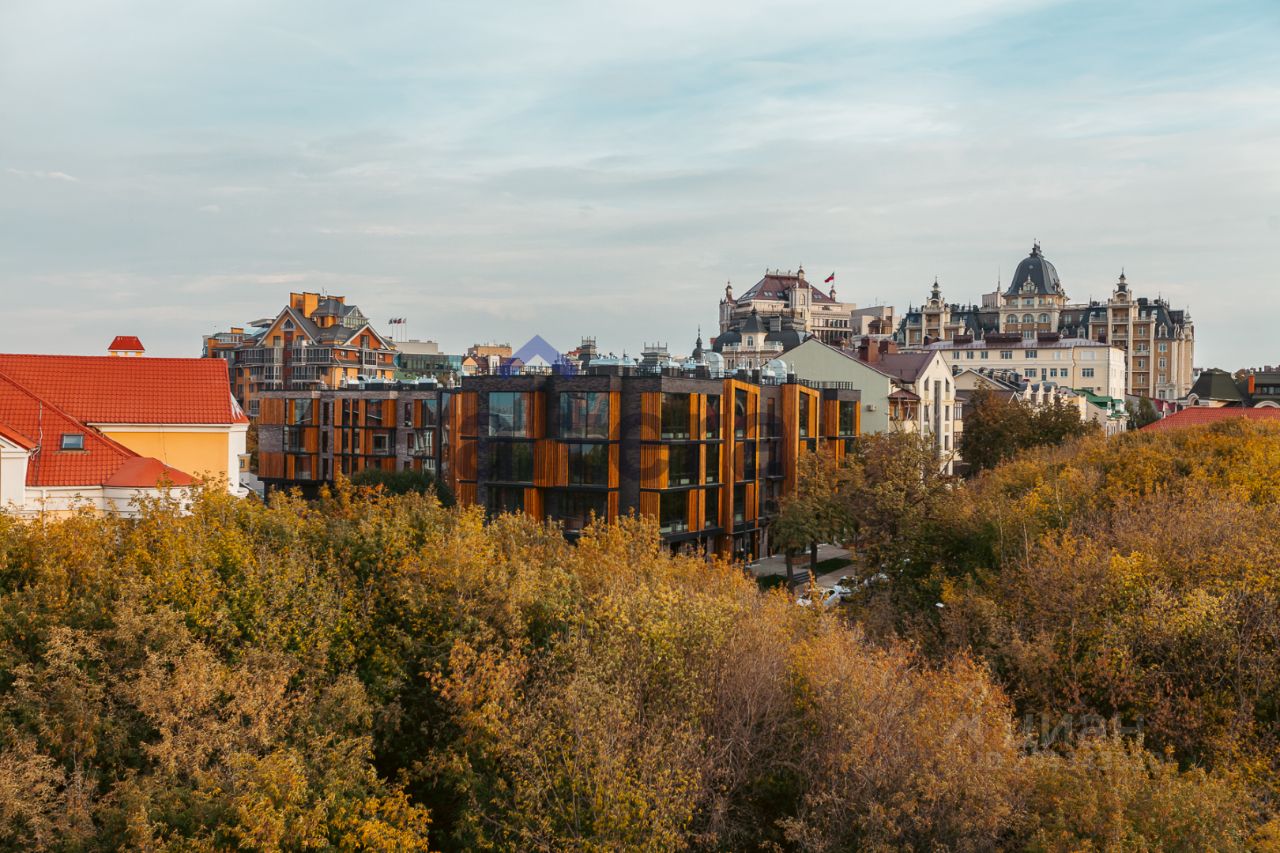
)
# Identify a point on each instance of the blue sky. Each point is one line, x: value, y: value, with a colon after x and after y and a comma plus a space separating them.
x: 493, y: 170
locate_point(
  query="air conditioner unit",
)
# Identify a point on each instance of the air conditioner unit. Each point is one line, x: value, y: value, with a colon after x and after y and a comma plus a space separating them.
x: 871, y: 407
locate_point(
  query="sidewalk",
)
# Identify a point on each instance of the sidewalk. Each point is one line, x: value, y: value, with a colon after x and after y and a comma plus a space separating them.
x: 777, y: 565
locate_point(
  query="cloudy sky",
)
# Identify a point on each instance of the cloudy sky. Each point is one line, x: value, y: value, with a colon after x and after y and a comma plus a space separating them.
x: 492, y: 170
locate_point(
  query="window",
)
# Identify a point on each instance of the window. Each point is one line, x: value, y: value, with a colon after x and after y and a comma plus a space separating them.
x: 588, y: 464
x: 673, y: 512
x: 1044, y: 318
x: 712, y: 463
x: 748, y: 460
x: 984, y: 355
x: 711, y: 516
x: 771, y: 427
x: 849, y: 417
x: 713, y: 416
x: 511, y: 462
x: 373, y: 413
x: 301, y: 411
x: 421, y: 442
x: 1162, y: 347
x: 381, y: 443
x: 408, y: 413
x: 804, y: 415
x: 1027, y: 318
x: 1012, y: 318
x: 682, y: 465
x: 504, y: 499
x: 1030, y: 353
x: 584, y: 415
x: 739, y: 503
x: 72, y: 441
x: 675, y: 416
x: 574, y: 509
x: 1163, y: 363
x: 739, y: 413
x: 507, y: 415
x: 1030, y: 373
x: 1006, y: 354
x: 1086, y: 372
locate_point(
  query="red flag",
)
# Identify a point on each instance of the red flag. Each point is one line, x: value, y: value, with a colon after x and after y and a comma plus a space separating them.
x: 829, y: 279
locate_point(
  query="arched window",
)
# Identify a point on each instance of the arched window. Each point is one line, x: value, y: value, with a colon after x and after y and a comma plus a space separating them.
x: 1027, y: 318
x: 1044, y: 318
x: 1013, y: 318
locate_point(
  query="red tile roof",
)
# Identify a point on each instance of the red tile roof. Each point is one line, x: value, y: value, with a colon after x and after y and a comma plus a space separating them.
x: 144, y: 472
x: 1197, y: 415
x: 128, y: 343
x: 99, y: 389
x: 44, y: 425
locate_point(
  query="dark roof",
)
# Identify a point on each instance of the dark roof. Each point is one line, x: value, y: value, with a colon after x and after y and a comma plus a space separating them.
x: 1217, y: 385
x: 906, y: 366
x: 1042, y: 275
x: 775, y: 285
x: 789, y: 338
x: 753, y: 323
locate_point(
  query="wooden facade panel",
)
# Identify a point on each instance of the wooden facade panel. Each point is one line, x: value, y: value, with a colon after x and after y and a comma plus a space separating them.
x: 468, y: 423
x: 693, y: 514
x: 650, y: 415
x: 536, y: 407
x: 654, y: 459
x: 466, y: 494
x: 615, y: 416
x: 546, y: 467
x: 465, y: 463
x: 533, y: 503
x: 615, y: 462
x: 612, y: 506
x: 649, y: 504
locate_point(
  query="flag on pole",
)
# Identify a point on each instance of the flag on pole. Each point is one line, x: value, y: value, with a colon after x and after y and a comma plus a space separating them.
x: 829, y: 279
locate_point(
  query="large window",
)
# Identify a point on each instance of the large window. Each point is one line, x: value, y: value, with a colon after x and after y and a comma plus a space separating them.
x: 584, y: 414
x: 422, y: 442
x: 301, y: 412
x: 504, y: 499
x: 511, y: 462
x: 713, y: 417
x: 712, y: 515
x: 673, y: 512
x: 588, y: 464
x: 848, y: 417
x: 804, y: 415
x: 574, y: 509
x: 430, y: 411
x: 739, y: 413
x: 675, y: 416
x: 682, y: 465
x: 507, y: 415
x: 713, y: 463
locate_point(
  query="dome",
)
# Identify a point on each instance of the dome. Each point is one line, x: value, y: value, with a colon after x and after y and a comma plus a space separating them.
x: 1036, y: 269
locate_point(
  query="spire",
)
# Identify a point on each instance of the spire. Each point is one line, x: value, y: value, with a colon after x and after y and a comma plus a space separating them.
x: 1035, y: 248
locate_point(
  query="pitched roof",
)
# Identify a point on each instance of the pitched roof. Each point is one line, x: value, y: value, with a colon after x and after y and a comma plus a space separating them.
x: 1197, y: 415
x: 144, y: 472
x: 1214, y: 384
x: 128, y: 343
x: 99, y: 389
x: 775, y: 286
x: 906, y: 366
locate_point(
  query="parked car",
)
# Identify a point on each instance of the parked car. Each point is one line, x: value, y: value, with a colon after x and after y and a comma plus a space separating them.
x: 828, y: 597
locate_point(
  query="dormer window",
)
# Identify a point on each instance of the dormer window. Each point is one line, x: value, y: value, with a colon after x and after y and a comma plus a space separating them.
x: 287, y: 325
x: 72, y: 441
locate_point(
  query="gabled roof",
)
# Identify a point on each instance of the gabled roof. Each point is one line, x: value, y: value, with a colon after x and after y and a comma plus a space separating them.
x: 144, y: 472
x: 1198, y: 415
x: 127, y: 343
x: 99, y: 389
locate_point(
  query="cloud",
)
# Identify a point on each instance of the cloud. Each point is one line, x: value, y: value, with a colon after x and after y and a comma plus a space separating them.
x: 53, y: 176
x: 209, y: 208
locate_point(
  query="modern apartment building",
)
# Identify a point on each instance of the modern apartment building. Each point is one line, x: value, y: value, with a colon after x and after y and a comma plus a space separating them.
x: 316, y: 341
x: 708, y: 457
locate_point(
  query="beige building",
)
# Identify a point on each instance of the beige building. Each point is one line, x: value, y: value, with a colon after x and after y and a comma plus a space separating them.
x: 1158, y: 341
x: 1074, y: 362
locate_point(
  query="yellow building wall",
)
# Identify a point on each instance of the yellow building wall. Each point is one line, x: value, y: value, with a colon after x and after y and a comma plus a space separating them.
x: 194, y: 453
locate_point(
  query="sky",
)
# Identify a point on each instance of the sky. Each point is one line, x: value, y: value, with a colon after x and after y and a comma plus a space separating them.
x: 494, y: 170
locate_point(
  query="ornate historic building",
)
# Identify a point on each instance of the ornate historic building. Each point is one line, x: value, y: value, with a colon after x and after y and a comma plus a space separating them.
x: 1158, y: 341
x: 782, y: 310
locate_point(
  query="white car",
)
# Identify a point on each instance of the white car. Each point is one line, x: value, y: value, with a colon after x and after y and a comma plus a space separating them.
x: 828, y: 597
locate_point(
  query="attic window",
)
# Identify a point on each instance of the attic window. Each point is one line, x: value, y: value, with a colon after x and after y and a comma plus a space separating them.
x: 287, y: 325
x: 72, y: 441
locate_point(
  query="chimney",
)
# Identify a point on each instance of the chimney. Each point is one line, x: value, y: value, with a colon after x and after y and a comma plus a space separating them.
x: 888, y: 348
x: 1252, y: 378
x: 868, y: 351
